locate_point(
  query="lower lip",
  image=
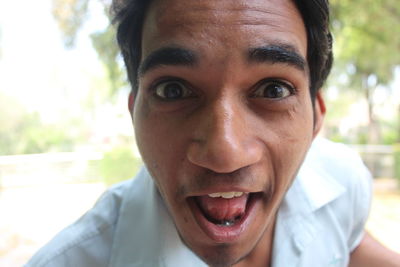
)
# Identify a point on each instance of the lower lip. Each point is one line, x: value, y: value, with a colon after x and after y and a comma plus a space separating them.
x: 226, y: 234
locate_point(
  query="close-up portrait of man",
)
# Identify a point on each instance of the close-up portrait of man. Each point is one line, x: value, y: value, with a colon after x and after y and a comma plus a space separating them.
x: 226, y: 103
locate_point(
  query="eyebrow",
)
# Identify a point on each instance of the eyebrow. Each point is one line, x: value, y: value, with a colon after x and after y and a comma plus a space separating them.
x: 167, y: 56
x: 277, y: 53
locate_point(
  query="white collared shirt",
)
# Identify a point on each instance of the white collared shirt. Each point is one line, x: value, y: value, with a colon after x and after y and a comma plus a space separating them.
x: 319, y: 222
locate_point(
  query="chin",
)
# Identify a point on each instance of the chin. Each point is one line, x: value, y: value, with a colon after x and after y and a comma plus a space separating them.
x: 222, y: 255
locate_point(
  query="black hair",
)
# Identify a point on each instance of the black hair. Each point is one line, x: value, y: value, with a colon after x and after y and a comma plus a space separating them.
x: 129, y: 17
x: 315, y: 14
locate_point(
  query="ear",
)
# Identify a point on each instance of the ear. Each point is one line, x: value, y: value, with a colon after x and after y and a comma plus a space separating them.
x: 131, y: 102
x: 319, y: 113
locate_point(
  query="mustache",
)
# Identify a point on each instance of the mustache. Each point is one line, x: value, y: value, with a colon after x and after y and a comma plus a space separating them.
x: 243, y: 177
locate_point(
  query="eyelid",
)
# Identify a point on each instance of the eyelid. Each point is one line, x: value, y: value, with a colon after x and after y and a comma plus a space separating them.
x: 286, y: 84
x: 165, y: 80
x: 161, y: 80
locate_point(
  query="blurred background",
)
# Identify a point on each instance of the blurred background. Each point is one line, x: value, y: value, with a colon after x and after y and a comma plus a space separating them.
x: 66, y: 134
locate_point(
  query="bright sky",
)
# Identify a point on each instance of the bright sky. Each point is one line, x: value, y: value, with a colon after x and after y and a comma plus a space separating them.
x: 34, y: 65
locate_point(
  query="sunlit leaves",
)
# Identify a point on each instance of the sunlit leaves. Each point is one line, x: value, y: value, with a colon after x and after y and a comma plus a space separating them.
x: 367, y: 35
x: 70, y: 16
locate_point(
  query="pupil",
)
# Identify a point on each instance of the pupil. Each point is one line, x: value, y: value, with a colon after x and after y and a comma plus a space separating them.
x: 273, y: 91
x: 173, y: 91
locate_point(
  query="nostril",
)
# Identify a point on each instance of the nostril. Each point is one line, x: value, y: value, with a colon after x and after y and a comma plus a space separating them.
x: 223, y: 157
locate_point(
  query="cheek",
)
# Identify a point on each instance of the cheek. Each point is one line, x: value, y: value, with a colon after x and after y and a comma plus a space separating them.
x: 288, y: 138
x: 160, y: 135
x: 295, y: 125
x: 161, y: 147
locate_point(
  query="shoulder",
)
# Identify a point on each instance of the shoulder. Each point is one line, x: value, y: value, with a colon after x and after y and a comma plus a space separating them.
x: 88, y: 241
x: 340, y: 163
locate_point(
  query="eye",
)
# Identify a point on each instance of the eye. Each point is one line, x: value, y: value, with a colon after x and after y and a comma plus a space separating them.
x: 172, y: 90
x: 273, y: 89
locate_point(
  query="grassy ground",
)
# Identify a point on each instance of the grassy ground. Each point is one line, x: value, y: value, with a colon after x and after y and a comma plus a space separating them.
x: 30, y: 216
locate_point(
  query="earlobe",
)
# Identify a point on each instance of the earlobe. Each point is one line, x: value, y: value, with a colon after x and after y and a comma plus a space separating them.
x: 319, y: 113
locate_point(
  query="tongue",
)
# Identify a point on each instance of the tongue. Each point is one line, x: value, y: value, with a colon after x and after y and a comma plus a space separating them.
x: 220, y: 209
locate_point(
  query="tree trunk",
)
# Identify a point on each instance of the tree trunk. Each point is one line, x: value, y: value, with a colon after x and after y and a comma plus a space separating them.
x: 373, y: 135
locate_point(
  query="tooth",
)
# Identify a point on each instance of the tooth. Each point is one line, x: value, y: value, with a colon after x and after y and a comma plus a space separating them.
x: 238, y: 194
x: 228, y: 194
x: 213, y: 195
x: 228, y: 223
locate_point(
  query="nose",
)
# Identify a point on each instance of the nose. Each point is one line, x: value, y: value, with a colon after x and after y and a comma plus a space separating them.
x: 223, y: 140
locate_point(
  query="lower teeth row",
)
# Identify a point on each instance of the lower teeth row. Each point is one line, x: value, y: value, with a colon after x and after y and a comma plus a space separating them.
x: 227, y: 223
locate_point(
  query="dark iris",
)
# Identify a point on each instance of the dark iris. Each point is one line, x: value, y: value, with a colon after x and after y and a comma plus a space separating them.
x: 274, y: 91
x: 173, y: 91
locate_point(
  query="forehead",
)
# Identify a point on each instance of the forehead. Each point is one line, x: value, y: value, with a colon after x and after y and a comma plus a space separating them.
x: 210, y: 25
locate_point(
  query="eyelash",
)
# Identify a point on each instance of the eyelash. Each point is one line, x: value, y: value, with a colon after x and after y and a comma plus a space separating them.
x: 278, y: 81
x: 153, y: 87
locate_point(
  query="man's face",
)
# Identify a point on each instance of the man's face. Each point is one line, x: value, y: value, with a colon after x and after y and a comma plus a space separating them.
x: 223, y: 106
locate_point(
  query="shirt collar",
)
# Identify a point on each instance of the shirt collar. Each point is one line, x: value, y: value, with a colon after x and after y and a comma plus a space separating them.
x: 154, y: 241
x: 319, y: 186
x: 297, y: 224
x: 313, y: 188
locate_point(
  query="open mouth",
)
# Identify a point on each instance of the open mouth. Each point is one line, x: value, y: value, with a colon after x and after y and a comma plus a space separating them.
x: 223, y: 216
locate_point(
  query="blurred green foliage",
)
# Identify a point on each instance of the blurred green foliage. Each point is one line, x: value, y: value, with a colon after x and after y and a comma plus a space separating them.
x: 22, y: 132
x: 105, y: 44
x: 70, y: 16
x: 118, y: 165
x: 367, y: 44
x: 390, y: 134
x: 367, y: 36
x: 396, y: 148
